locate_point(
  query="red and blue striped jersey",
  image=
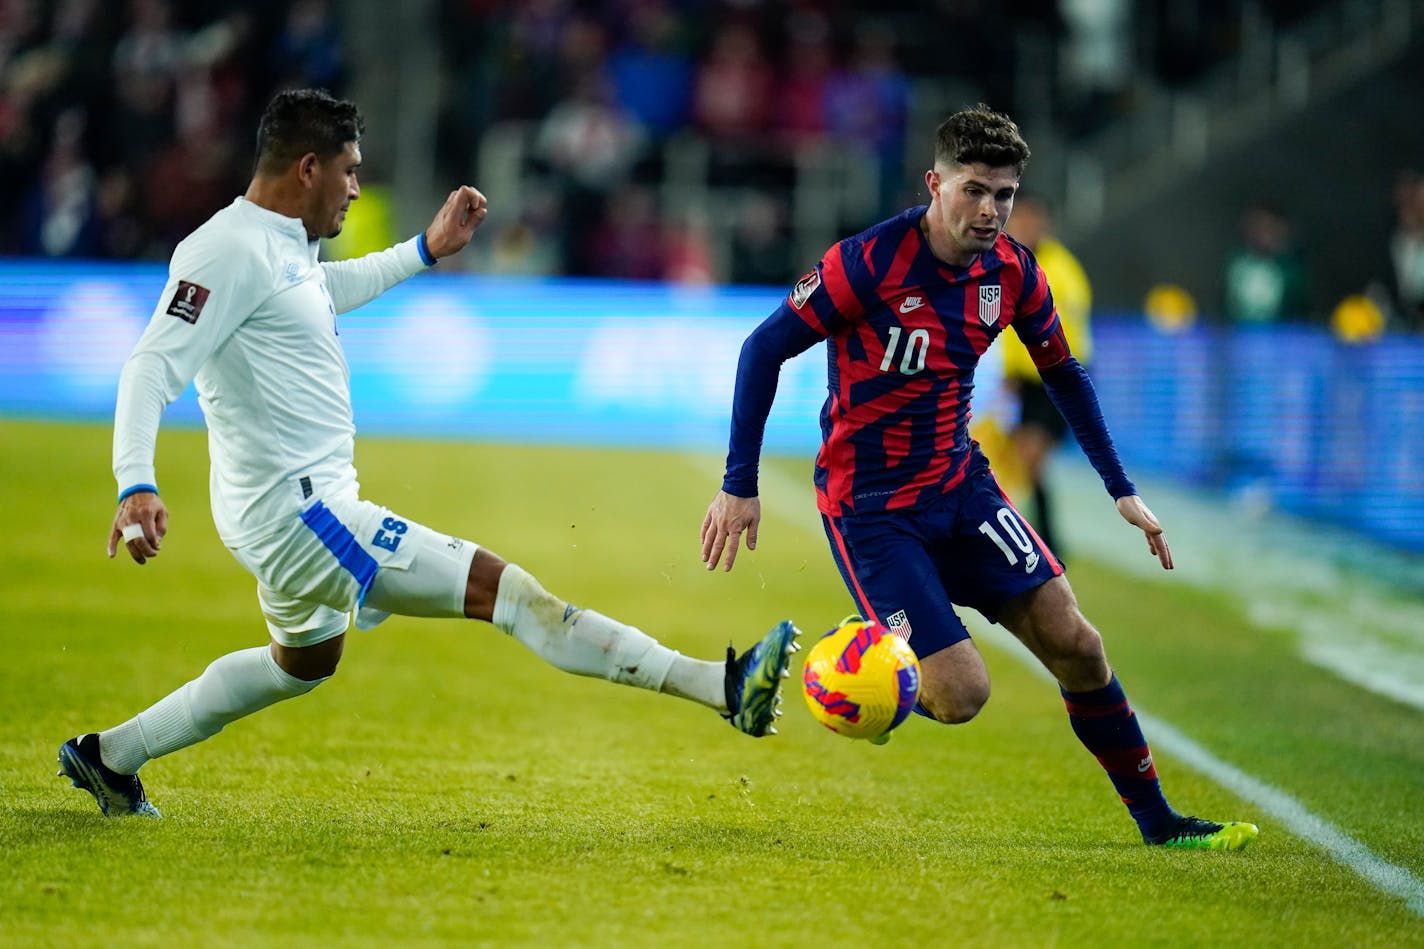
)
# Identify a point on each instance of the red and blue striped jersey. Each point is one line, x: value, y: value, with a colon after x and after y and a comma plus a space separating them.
x: 904, y: 332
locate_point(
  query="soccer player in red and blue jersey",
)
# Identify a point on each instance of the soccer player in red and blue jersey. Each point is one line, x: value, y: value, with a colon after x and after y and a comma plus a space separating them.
x: 915, y: 519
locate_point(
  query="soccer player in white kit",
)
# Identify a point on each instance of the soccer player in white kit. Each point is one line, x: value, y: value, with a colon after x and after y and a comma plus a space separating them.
x: 249, y: 313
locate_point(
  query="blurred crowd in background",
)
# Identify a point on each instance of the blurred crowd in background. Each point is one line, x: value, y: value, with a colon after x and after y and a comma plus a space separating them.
x: 124, y: 125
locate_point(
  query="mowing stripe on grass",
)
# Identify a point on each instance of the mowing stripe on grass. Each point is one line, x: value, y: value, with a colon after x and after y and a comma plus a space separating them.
x: 1385, y: 876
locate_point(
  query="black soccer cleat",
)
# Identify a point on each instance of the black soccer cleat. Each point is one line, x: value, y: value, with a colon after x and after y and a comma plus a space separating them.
x: 118, y: 795
x: 1193, y: 833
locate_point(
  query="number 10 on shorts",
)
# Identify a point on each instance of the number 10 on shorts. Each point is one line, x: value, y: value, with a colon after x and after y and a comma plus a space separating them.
x: 1015, y: 531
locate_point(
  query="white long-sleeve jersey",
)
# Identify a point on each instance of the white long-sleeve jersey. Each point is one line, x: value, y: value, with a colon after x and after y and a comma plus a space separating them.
x: 249, y: 312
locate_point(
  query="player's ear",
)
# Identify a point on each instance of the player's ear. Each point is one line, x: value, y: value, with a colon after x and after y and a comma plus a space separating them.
x: 307, y: 167
x: 932, y: 181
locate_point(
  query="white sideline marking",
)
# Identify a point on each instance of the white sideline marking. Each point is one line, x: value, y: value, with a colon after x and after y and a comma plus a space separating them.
x: 1387, y: 877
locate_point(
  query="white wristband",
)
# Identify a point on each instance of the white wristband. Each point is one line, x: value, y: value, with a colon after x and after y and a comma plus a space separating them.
x: 132, y: 532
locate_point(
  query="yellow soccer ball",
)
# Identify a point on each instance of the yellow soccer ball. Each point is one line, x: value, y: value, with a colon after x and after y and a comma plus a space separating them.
x: 861, y: 680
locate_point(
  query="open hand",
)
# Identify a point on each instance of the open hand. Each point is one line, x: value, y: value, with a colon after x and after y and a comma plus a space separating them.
x: 1136, y: 513
x: 727, y: 516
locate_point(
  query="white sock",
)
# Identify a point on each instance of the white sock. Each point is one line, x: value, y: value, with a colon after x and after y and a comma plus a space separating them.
x: 588, y: 643
x: 230, y: 688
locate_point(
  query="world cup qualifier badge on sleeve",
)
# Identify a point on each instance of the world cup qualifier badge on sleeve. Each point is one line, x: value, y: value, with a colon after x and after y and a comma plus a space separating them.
x: 188, y: 301
x: 804, y: 288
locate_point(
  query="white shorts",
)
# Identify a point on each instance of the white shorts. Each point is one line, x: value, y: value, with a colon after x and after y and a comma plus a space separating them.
x: 344, y: 555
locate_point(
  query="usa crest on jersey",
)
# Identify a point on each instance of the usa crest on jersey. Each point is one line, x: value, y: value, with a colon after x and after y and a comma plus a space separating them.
x: 989, y: 304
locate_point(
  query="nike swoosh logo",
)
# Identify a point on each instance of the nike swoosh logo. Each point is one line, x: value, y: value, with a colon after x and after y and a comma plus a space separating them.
x: 912, y: 303
x: 1144, y: 765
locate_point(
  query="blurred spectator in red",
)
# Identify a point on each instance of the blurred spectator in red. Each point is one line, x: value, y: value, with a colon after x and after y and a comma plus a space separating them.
x: 734, y: 105
x: 801, y: 99
x: 222, y: 53
x: 1406, y: 249
x: 688, y: 251
x: 734, y: 93
x: 192, y: 177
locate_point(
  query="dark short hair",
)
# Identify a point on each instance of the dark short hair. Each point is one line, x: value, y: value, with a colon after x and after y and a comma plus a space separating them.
x: 298, y: 121
x: 981, y: 135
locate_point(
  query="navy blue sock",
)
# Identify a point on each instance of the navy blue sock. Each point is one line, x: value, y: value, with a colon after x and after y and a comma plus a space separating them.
x: 1104, y: 722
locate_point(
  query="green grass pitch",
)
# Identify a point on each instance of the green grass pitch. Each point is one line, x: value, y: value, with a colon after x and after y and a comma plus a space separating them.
x: 447, y: 788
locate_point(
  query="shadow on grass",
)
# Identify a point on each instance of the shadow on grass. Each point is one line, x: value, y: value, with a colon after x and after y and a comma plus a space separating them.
x: 67, y: 819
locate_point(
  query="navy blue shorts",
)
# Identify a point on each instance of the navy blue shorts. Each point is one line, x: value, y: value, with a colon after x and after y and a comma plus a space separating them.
x: 909, y: 568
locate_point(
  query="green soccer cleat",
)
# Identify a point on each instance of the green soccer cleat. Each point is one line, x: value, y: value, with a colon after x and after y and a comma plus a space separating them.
x: 117, y: 795
x: 1193, y: 833
x: 753, y: 681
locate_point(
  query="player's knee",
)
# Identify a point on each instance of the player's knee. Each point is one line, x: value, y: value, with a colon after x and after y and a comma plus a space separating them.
x: 955, y: 706
x: 1085, y: 647
x: 317, y: 673
x: 1078, y: 657
x: 1080, y: 643
x: 312, y: 664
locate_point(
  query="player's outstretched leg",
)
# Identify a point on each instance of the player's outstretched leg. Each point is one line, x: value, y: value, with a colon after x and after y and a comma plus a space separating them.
x: 754, y: 680
x: 1196, y: 834
x: 744, y: 690
x: 117, y: 794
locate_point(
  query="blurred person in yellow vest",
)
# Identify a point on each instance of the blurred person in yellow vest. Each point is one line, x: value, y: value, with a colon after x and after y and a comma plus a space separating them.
x: 370, y: 226
x: 1040, y: 429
